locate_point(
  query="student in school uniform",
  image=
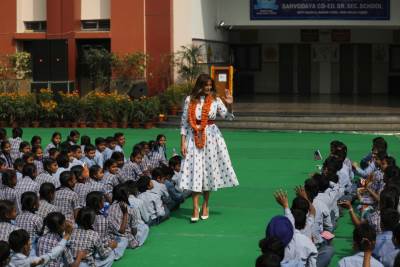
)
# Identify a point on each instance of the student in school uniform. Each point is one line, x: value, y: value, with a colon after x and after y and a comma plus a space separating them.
x: 95, y: 200
x: 364, y: 237
x: 27, y: 184
x: 63, y: 164
x: 9, y: 182
x: 6, y: 154
x: 389, y: 258
x: 66, y: 199
x: 55, y: 143
x: 92, y: 184
x: 85, y: 238
x: 28, y: 219
x: 110, y: 179
x: 384, y: 241
x: 20, y: 243
x: 159, y: 186
x: 111, y: 143
x: 155, y: 207
x: 36, y: 141
x: 18, y: 167
x: 100, y: 143
x: 120, y: 138
x: 90, y: 153
x: 15, y: 142
x: 47, y: 194
x: 50, y: 167
x: 176, y: 197
x: 38, y: 158
x: 56, y: 226
x: 132, y: 169
x: 77, y: 155
x: 137, y: 203
x: 161, y: 147
x: 24, y: 148
x: 8, y: 213
x: 73, y: 137
x: 124, y: 220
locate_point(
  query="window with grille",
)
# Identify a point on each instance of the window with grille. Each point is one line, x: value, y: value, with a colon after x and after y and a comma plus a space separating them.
x: 36, y: 26
x: 96, y: 25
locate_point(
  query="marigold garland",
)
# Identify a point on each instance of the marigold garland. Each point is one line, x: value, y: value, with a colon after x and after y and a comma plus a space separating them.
x: 199, y: 130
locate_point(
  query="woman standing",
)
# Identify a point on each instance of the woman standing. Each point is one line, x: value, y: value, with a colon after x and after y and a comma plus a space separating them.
x: 207, y: 166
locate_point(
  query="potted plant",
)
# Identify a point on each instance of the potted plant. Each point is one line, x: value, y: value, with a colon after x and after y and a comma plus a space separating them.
x: 151, y: 110
x: 70, y: 107
x: 6, y: 108
x: 137, y: 115
x: 123, y: 106
x: 94, y: 102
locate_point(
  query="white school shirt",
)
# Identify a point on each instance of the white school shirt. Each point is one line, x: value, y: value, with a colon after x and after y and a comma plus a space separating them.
x: 99, y: 158
x: 323, y: 220
x: 118, y: 148
x: 301, y: 248
x: 344, y: 178
x: 153, y: 204
x: 161, y: 190
x: 139, y: 205
x: 357, y: 261
x: 107, y: 153
x: 21, y: 260
x: 310, y: 220
x: 383, y: 245
x: 388, y: 258
x: 367, y: 171
x: 75, y: 162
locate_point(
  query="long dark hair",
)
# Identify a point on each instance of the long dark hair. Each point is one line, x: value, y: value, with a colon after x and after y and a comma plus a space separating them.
x: 202, y: 81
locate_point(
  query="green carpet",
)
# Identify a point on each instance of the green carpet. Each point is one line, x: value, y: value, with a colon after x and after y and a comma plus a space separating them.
x: 264, y: 162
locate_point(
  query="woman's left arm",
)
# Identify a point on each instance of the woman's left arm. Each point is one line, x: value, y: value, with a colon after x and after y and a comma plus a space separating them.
x: 225, y: 112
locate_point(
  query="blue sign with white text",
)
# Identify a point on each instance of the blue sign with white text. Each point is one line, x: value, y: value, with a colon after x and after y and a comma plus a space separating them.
x: 320, y: 9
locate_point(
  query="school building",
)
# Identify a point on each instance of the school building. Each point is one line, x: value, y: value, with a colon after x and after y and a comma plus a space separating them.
x: 280, y: 47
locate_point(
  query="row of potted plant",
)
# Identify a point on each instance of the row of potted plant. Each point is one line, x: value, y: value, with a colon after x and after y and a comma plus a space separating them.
x: 96, y: 109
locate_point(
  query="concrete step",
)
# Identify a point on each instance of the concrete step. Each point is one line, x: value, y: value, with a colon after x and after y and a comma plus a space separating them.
x: 374, y: 123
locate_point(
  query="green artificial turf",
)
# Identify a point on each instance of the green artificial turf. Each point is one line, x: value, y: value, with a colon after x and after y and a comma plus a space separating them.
x: 264, y: 162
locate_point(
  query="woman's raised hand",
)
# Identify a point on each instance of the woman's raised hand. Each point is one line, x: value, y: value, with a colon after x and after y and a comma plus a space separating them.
x: 228, y: 97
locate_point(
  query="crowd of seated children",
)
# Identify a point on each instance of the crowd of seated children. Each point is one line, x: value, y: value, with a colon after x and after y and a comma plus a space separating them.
x: 88, y: 194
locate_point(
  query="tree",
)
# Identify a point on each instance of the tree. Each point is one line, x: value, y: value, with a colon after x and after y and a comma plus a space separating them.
x: 187, y: 62
x: 98, y: 61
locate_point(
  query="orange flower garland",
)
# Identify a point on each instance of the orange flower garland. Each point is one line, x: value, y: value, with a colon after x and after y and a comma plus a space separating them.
x: 199, y: 130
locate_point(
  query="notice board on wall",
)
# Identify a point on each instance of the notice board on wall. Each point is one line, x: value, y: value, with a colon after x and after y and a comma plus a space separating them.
x: 320, y: 10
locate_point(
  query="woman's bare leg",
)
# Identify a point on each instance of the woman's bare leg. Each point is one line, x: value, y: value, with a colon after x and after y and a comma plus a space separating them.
x: 195, y: 197
x: 206, y: 197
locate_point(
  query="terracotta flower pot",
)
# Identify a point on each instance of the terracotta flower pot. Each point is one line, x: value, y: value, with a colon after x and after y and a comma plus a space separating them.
x: 74, y: 124
x: 135, y: 124
x: 57, y: 124
x: 82, y: 124
x: 113, y: 124
x: 123, y: 125
x: 35, y: 124
x: 148, y: 125
x: 45, y: 124
x: 173, y: 111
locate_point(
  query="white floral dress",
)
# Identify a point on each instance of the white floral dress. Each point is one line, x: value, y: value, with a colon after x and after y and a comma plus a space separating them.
x: 210, y: 168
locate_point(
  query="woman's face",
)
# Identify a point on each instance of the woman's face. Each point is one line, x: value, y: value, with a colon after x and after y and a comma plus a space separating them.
x: 207, y: 88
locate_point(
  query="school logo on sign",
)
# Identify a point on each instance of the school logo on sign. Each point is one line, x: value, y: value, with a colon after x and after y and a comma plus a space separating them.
x: 266, y: 4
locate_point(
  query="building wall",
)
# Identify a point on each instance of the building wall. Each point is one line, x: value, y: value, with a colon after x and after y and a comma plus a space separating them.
x: 30, y: 10
x: 95, y: 9
x: 325, y: 75
x: 237, y: 13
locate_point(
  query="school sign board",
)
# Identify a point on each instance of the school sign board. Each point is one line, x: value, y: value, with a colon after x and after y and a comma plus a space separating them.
x: 320, y: 9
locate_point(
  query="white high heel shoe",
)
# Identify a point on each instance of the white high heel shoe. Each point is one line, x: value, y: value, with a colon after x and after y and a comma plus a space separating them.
x: 194, y: 219
x: 205, y: 217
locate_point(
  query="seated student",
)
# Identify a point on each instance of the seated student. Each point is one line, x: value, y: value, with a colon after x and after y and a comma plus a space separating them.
x: 6, y: 154
x: 120, y: 138
x: 24, y: 148
x: 90, y: 153
x: 131, y: 169
x: 56, y: 225
x: 73, y: 137
x: 137, y: 203
x: 76, y: 155
x: 18, y: 167
x: 66, y: 199
x: 15, y: 141
x: 28, y: 158
x: 384, y: 244
x: 28, y: 220
x: 47, y: 194
x: 176, y: 197
x: 297, y: 246
x: 63, y: 164
x: 8, y: 213
x: 156, y: 156
x: 95, y: 201
x: 4, y: 254
x: 120, y: 159
x: 368, y: 167
x: 145, y: 163
x: 85, y: 140
x: 110, y: 147
x: 20, y: 244
x: 161, y: 147
x: 110, y: 179
x: 363, y: 243
x: 155, y: 207
x: 50, y: 167
x: 38, y: 158
x: 388, y: 258
x: 92, y: 184
x: 301, y: 202
x: 175, y: 164
x: 100, y: 143
x: 389, y: 199
x: 85, y: 238
x: 27, y: 184
x: 55, y: 143
x: 36, y: 141
x: 273, y: 253
x: 367, y: 159
x: 124, y: 220
x: 53, y: 153
x: 9, y: 180
x: 159, y: 187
